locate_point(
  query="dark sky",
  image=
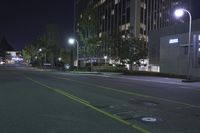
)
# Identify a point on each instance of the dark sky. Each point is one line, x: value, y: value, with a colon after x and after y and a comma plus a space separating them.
x: 195, y: 9
x: 22, y: 20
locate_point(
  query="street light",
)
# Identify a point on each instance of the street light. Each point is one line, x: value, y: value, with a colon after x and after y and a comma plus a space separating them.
x: 45, y: 56
x: 59, y: 59
x: 179, y: 13
x: 105, y: 57
x: 72, y: 41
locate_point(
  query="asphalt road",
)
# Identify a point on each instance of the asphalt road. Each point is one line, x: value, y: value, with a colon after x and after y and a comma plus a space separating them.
x: 33, y: 101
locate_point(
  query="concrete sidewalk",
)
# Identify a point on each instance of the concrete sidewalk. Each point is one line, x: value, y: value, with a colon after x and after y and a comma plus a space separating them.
x: 154, y: 79
x: 163, y: 80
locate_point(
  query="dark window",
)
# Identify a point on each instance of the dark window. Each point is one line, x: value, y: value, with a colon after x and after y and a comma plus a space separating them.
x: 185, y: 50
x: 128, y: 15
x: 198, y: 60
x: 123, y: 19
x: 141, y: 14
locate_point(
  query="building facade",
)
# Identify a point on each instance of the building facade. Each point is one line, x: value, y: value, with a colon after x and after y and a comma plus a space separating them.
x: 126, y: 18
x: 168, y: 49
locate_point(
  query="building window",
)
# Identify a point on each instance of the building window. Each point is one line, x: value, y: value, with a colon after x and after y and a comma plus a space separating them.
x: 128, y: 15
x: 103, y: 1
x: 185, y: 50
x: 104, y: 17
x: 117, y: 1
x: 113, y: 12
x: 199, y: 61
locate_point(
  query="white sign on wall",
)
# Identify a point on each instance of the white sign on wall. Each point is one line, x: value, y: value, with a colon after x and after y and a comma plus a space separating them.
x: 172, y: 41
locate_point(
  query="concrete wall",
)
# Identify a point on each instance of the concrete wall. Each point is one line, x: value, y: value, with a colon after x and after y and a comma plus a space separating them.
x: 174, y: 56
x: 155, y: 35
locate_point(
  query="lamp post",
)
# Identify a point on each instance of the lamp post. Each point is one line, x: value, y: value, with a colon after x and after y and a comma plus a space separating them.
x: 105, y: 57
x: 179, y: 13
x: 59, y: 59
x: 45, y: 56
x: 40, y: 58
x: 72, y: 41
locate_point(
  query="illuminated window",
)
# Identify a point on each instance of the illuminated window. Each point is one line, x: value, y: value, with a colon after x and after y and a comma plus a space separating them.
x: 117, y: 1
x: 104, y: 16
x: 103, y: 1
x: 113, y: 12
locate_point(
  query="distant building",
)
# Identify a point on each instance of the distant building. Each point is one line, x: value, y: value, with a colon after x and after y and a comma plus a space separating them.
x: 168, y: 49
x: 129, y: 17
x: 8, y: 54
x: 4, y: 47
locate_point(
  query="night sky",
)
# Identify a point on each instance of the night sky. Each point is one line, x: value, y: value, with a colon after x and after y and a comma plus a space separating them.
x: 21, y: 21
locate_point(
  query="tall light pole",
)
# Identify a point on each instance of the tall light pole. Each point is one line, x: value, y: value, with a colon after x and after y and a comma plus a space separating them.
x: 179, y: 13
x: 72, y: 41
x: 105, y: 57
x: 45, y: 56
x: 40, y: 59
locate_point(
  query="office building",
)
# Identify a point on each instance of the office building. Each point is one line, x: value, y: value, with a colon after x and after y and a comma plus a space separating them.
x: 126, y: 18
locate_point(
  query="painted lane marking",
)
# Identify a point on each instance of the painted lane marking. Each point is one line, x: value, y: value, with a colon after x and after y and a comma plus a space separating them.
x: 86, y: 103
x: 132, y: 93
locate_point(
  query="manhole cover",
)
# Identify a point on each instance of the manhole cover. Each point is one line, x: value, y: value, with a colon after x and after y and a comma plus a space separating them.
x: 149, y: 119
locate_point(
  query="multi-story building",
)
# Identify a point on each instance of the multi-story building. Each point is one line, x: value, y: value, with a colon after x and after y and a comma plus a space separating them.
x: 129, y: 17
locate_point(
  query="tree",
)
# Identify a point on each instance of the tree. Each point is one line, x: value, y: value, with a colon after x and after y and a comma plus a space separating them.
x: 45, y: 47
x: 87, y: 34
x: 27, y: 54
x: 132, y: 50
x: 5, y: 46
x: 49, y: 42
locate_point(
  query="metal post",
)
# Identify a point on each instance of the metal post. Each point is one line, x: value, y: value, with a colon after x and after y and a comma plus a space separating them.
x: 189, y: 44
x: 77, y: 53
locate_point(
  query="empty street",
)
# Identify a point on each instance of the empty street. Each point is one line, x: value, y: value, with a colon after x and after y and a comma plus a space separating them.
x: 36, y: 101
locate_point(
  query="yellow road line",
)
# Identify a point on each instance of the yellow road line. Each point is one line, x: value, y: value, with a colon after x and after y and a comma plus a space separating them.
x: 132, y: 93
x: 86, y: 103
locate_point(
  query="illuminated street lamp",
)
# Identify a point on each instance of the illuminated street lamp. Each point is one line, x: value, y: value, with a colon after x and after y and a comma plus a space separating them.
x: 59, y: 59
x: 105, y: 57
x: 45, y: 56
x: 72, y: 42
x: 179, y: 13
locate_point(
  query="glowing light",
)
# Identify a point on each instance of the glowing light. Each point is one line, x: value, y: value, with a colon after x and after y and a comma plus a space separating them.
x: 171, y: 41
x: 71, y: 41
x: 179, y: 12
